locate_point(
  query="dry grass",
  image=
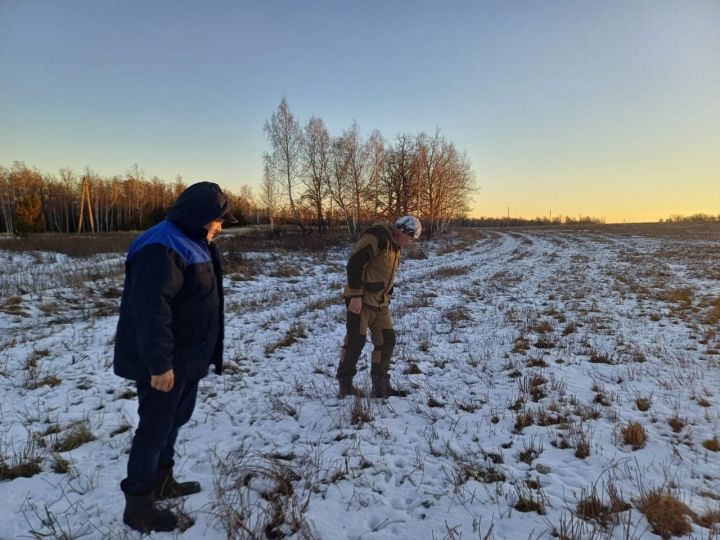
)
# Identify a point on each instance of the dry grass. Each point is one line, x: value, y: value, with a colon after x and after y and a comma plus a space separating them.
x: 75, y: 436
x: 536, y: 362
x: 60, y: 465
x: 521, y: 346
x: 415, y: 252
x: 23, y: 463
x: 682, y: 296
x: 581, y: 440
x: 287, y: 240
x: 666, y: 514
x: 73, y: 245
x: 677, y: 423
x: 25, y: 468
x: 523, y: 420
x: 543, y: 327
x: 714, y: 316
x: 709, y: 520
x: 703, y: 402
x: 360, y: 412
x: 643, y: 404
x: 259, y: 496
x: 451, y: 271
x: 591, y: 507
x: 295, y: 332
x: 530, y: 452
x: 601, y: 358
x: 712, y: 444
x: 533, y: 386
x: 529, y: 500
x: 570, y: 328
x: 634, y: 435
x: 285, y: 271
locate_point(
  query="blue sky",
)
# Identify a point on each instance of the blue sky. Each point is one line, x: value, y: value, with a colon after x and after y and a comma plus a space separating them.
x: 609, y: 109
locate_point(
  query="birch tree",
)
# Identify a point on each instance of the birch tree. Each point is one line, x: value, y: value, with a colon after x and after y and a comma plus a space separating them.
x: 399, y: 182
x: 316, y: 158
x: 338, y: 184
x: 269, y: 196
x: 284, y: 160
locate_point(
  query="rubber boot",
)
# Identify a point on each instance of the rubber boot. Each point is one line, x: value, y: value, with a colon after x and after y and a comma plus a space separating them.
x: 347, y: 388
x: 142, y: 515
x: 166, y: 487
x: 381, y: 387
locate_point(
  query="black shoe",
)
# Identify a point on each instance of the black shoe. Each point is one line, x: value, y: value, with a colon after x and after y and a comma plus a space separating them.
x: 142, y: 515
x: 348, y: 390
x: 383, y: 392
x: 166, y: 487
x: 383, y: 389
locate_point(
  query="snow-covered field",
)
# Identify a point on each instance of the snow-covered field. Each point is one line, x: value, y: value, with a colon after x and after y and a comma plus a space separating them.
x: 527, y: 355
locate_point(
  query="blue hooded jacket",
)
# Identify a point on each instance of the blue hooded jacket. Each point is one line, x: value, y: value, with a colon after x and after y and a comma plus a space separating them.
x: 172, y: 308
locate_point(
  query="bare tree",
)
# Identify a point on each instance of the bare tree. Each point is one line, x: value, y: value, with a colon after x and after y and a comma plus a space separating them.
x: 246, y: 203
x: 286, y: 141
x: 356, y: 157
x: 269, y: 196
x: 316, y: 157
x: 375, y: 149
x: 398, y: 195
x: 6, y: 200
x: 445, y: 181
x: 25, y: 197
x: 338, y: 184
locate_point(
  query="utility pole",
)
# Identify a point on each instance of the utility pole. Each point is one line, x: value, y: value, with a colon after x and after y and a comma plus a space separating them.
x: 86, y: 197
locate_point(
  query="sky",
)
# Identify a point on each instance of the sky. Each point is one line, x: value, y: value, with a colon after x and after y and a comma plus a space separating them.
x: 604, y: 109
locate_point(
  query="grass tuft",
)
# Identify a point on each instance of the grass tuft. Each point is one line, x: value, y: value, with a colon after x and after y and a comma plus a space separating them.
x: 634, y: 435
x: 666, y: 514
x: 712, y: 444
x: 676, y: 423
x: 75, y: 436
x: 643, y: 404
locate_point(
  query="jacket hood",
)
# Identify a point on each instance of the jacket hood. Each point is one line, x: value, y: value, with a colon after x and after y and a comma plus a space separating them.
x: 389, y: 228
x: 197, y: 206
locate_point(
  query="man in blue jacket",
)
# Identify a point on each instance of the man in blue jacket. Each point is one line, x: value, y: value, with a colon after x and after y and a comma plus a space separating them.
x: 170, y: 330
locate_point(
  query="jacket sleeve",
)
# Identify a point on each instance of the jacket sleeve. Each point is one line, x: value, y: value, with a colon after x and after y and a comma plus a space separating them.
x: 157, y: 274
x: 365, y: 250
x: 217, y: 357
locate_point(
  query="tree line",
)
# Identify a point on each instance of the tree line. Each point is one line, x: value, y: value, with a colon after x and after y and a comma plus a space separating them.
x: 319, y: 178
x: 694, y: 218
x: 32, y: 201
x: 310, y: 178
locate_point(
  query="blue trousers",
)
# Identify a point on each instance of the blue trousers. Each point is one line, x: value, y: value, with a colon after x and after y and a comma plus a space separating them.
x: 153, y: 446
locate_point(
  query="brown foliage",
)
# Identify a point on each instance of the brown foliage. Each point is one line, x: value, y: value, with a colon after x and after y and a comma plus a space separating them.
x: 712, y: 444
x: 642, y: 404
x: 634, y: 435
x: 666, y: 514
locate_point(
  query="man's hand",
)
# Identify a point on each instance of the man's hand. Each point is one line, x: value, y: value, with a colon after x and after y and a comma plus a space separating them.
x: 164, y: 382
x: 355, y: 305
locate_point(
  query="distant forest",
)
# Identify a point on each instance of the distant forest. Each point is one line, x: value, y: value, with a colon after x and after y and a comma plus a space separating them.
x: 33, y: 201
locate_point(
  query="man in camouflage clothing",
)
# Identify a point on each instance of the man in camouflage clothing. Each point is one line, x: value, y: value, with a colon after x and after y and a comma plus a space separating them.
x: 371, y: 273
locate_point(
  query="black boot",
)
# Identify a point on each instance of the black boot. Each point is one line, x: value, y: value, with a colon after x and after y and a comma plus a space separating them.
x: 381, y: 387
x: 166, y: 487
x: 347, y: 388
x: 142, y: 515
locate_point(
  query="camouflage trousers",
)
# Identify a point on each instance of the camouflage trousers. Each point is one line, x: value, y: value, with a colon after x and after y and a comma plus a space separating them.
x: 382, y: 334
